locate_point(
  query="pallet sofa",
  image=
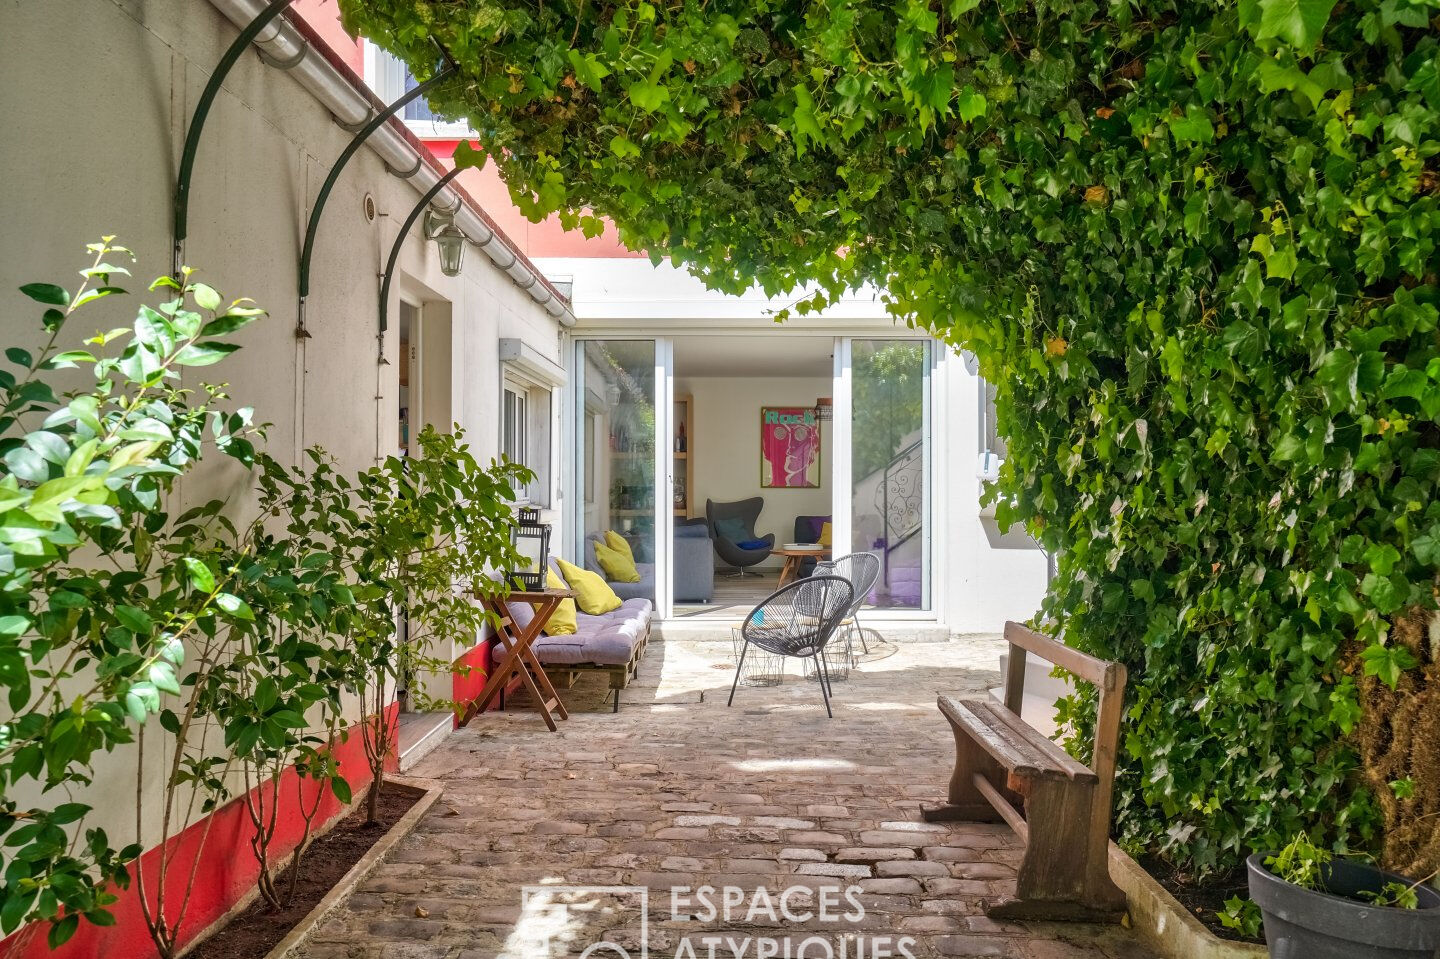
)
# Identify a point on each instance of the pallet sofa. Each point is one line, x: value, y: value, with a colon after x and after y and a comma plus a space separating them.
x: 611, y: 643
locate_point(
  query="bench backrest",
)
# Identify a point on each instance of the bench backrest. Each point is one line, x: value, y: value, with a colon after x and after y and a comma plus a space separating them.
x: 1109, y: 680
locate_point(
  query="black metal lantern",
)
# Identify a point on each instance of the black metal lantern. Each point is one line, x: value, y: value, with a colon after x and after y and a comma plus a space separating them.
x: 531, y: 539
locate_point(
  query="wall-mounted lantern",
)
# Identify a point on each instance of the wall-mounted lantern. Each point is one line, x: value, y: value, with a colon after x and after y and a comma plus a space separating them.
x: 437, y: 220
x: 450, y: 241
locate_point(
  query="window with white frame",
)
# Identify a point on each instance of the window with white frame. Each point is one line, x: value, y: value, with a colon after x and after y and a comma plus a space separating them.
x: 525, y: 435
x: 391, y: 79
x: 528, y: 431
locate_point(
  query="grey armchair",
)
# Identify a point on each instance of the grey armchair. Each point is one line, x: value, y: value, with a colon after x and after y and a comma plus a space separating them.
x: 746, y: 512
x: 807, y: 530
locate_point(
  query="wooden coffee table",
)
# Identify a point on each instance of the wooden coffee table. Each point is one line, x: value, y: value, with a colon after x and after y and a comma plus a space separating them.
x: 795, y: 558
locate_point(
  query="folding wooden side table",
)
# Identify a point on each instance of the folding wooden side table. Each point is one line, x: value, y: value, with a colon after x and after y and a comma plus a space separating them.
x: 519, y: 657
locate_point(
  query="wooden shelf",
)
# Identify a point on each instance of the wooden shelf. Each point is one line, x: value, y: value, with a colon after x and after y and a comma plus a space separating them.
x: 684, y: 416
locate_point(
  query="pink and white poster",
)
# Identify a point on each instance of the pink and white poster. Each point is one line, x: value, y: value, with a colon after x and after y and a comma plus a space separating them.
x: 789, y: 447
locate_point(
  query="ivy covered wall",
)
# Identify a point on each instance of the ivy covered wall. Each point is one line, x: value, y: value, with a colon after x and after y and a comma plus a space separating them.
x: 1193, y: 245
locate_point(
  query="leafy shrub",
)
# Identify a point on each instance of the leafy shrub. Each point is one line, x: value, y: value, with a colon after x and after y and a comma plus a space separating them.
x: 234, y: 653
x: 428, y: 533
x: 102, y: 590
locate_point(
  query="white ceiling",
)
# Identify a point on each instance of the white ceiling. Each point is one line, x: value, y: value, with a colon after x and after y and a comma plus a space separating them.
x: 754, y: 354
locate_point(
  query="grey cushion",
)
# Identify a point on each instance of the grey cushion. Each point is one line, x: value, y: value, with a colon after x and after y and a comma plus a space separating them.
x: 643, y: 589
x: 611, y: 646
x: 521, y: 614
x: 609, y: 639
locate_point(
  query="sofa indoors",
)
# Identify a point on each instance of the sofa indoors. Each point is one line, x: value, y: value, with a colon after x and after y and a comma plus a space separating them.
x: 693, y: 559
x: 645, y: 589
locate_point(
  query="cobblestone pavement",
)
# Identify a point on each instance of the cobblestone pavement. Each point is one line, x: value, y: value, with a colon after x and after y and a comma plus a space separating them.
x: 765, y: 800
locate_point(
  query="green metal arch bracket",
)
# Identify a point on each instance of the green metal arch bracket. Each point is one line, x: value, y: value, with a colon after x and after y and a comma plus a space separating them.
x: 430, y: 195
x: 202, y: 112
x: 324, y: 195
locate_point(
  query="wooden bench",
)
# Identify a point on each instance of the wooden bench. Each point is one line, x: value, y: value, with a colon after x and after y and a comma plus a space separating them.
x: 1003, y: 764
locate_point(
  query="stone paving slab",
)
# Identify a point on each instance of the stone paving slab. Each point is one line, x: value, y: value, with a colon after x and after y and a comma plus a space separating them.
x: 809, y: 825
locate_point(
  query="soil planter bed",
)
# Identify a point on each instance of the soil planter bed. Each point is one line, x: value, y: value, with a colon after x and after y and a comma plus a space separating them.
x: 1164, y: 924
x: 334, y: 864
x: 1305, y: 923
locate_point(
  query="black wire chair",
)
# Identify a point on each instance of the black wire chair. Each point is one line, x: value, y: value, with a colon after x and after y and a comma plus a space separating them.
x: 862, y: 571
x: 798, y: 620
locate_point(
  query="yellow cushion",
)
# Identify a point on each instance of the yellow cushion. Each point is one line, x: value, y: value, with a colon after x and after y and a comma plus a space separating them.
x: 594, y: 595
x: 619, y: 567
x: 620, y: 545
x: 562, y: 621
x: 824, y: 539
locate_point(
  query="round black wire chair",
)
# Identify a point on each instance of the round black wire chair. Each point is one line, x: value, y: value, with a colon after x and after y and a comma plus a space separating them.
x: 798, y: 620
x: 862, y: 571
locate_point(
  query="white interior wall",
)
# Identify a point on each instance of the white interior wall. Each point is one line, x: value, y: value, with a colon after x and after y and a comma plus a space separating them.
x: 725, y: 447
x: 131, y: 73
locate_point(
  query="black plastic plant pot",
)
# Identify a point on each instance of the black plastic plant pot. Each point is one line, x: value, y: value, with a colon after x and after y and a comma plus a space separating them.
x: 1302, y: 923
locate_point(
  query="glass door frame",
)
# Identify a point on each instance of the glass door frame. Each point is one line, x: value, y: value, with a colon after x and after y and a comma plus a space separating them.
x: 938, y: 449
x: 934, y: 451
x: 664, y: 466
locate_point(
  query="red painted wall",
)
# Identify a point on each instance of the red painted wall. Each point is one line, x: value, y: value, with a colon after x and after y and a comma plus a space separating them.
x: 481, y: 661
x: 227, y: 870
x: 466, y: 688
x: 547, y: 238
x: 324, y: 17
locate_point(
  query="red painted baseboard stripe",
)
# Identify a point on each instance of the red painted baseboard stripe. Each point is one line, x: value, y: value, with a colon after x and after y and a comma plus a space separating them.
x: 226, y: 873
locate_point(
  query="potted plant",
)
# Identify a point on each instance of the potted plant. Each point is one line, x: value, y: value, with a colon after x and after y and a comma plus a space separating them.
x: 1317, y: 907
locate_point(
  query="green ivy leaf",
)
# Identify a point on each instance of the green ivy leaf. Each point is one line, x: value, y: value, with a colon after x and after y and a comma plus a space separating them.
x: 1387, y: 662
x: 1194, y: 126
x: 648, y: 96
x: 1297, y: 22
x: 806, y: 125
x: 971, y: 104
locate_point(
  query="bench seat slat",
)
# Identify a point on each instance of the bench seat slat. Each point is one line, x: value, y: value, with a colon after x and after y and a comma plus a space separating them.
x: 1012, y: 742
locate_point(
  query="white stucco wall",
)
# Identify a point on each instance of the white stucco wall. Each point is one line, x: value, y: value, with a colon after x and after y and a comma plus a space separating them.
x: 97, y: 95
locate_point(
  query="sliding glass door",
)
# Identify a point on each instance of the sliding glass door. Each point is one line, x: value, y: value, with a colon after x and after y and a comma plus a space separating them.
x: 883, y: 470
x: 622, y: 405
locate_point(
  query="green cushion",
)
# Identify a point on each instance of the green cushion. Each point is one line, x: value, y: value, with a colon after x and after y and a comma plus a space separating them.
x: 732, y: 529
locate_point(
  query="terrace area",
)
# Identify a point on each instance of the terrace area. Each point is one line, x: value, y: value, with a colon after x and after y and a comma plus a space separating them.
x: 676, y: 790
x: 1111, y: 323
